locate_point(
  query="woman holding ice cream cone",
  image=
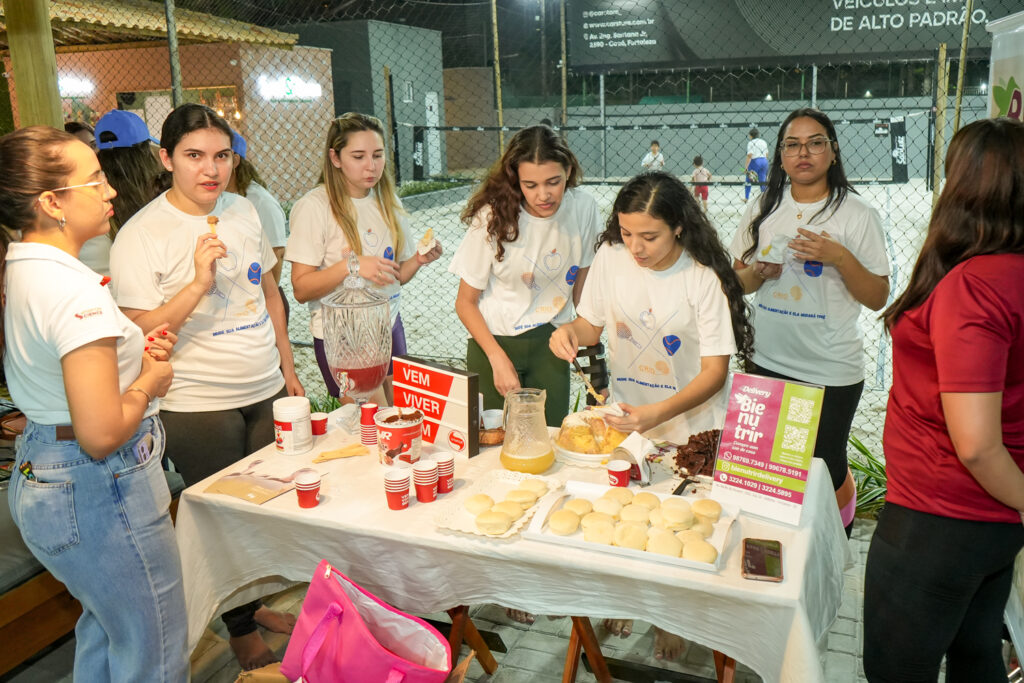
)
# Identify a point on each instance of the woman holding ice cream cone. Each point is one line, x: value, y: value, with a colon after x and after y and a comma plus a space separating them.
x: 172, y: 261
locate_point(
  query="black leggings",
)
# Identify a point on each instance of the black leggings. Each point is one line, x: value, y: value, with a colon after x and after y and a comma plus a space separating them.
x: 837, y: 411
x: 937, y: 586
x: 202, y: 443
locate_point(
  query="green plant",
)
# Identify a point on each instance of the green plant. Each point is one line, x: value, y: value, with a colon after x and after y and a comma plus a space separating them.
x: 323, y: 404
x: 422, y: 186
x: 869, y: 473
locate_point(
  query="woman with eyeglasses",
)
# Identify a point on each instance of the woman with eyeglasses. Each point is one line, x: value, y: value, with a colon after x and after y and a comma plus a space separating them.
x: 812, y: 252
x: 87, y: 491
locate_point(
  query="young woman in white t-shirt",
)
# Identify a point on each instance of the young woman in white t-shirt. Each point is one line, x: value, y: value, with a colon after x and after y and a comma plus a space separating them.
x: 172, y: 261
x: 813, y: 253
x: 522, y: 264
x: 87, y: 491
x: 662, y: 285
x: 354, y: 208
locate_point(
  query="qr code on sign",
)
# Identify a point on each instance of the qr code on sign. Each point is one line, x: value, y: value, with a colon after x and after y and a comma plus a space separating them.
x: 800, y: 410
x: 795, y: 438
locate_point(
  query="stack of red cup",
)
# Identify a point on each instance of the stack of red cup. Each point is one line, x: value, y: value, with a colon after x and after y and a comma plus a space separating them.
x: 396, y: 487
x: 445, y: 472
x: 367, y: 428
x: 424, y: 476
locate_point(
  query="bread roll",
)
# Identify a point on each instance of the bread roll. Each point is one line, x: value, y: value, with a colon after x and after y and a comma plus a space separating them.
x: 537, y: 486
x: 707, y: 509
x: 608, y: 506
x: 563, y: 522
x: 630, y: 535
x: 620, y: 494
x: 594, y: 518
x: 581, y: 506
x: 647, y: 499
x: 525, y: 498
x: 665, y: 544
x: 689, y: 536
x: 481, y: 502
x: 493, y: 523
x: 656, y: 518
x: 677, y: 518
x: 705, y: 529
x: 635, y: 513
x: 700, y: 551
x: 655, y: 530
x: 510, y: 508
x: 675, y: 502
x: 599, y: 531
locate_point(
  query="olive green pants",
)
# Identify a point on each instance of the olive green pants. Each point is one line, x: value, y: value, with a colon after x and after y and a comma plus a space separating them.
x: 537, y: 367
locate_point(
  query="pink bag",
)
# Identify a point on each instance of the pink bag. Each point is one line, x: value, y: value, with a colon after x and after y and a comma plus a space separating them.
x: 347, y: 635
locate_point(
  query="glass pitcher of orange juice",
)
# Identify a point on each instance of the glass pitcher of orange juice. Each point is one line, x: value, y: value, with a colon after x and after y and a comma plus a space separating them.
x: 527, y: 447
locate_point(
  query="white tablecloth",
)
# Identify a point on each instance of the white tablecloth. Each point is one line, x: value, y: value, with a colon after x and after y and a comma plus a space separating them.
x: 233, y: 551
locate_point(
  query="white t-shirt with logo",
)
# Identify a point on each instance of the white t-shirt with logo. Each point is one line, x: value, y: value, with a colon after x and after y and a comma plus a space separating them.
x: 532, y: 284
x: 659, y: 324
x: 226, y: 356
x: 317, y: 240
x: 54, y: 305
x: 757, y: 148
x: 805, y: 322
x: 270, y: 212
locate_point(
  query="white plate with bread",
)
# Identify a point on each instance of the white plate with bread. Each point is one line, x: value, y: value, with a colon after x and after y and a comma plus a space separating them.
x: 498, y: 505
x: 685, y: 531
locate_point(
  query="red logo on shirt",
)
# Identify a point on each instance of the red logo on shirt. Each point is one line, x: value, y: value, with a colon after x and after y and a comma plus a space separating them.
x: 105, y: 281
x: 88, y: 313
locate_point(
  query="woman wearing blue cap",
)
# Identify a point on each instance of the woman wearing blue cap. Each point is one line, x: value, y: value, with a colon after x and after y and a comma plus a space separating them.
x: 132, y: 169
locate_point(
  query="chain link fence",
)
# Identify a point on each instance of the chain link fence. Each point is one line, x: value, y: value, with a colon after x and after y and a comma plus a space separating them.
x: 453, y: 79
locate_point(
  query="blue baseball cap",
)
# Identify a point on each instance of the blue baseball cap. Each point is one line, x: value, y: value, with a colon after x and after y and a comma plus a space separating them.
x: 119, y: 128
x: 238, y: 145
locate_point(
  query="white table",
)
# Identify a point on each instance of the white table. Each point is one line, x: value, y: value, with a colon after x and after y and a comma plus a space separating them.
x: 233, y: 551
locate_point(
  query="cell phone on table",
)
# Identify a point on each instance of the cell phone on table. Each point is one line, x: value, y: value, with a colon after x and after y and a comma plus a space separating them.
x: 762, y: 559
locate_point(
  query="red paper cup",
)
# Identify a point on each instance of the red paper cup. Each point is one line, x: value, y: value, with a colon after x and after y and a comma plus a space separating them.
x: 308, y: 497
x: 366, y: 413
x: 319, y: 423
x: 445, y: 483
x: 618, y: 473
x: 424, y: 471
x: 398, y: 500
x: 426, y: 493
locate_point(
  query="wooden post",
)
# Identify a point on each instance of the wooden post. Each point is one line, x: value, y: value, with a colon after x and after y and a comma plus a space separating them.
x: 497, y: 78
x: 565, y: 61
x: 969, y: 9
x: 938, y: 160
x: 34, y: 63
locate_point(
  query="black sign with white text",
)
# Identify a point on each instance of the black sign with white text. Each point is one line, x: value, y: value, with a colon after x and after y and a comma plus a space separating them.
x: 606, y: 35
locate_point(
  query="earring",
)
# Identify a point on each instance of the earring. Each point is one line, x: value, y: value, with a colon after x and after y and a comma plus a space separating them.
x: 834, y: 160
x: 62, y: 223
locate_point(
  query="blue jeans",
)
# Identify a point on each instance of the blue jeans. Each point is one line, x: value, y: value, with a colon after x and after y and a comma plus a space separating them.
x: 102, y: 528
x: 758, y: 167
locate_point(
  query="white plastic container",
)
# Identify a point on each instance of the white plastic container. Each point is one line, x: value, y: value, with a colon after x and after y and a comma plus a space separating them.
x: 293, y: 431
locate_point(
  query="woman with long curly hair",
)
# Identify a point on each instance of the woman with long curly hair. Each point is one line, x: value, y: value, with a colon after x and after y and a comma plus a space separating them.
x: 525, y: 257
x: 941, y: 561
x: 813, y: 254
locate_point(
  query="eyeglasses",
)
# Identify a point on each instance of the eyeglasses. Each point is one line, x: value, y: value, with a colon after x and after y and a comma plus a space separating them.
x: 101, y: 184
x: 791, y: 148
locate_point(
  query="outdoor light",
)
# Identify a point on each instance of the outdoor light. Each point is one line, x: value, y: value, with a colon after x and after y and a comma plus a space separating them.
x: 220, y: 113
x: 867, y: 93
x: 74, y: 86
x: 768, y: 97
x: 238, y: 115
x: 288, y: 88
x: 984, y: 88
